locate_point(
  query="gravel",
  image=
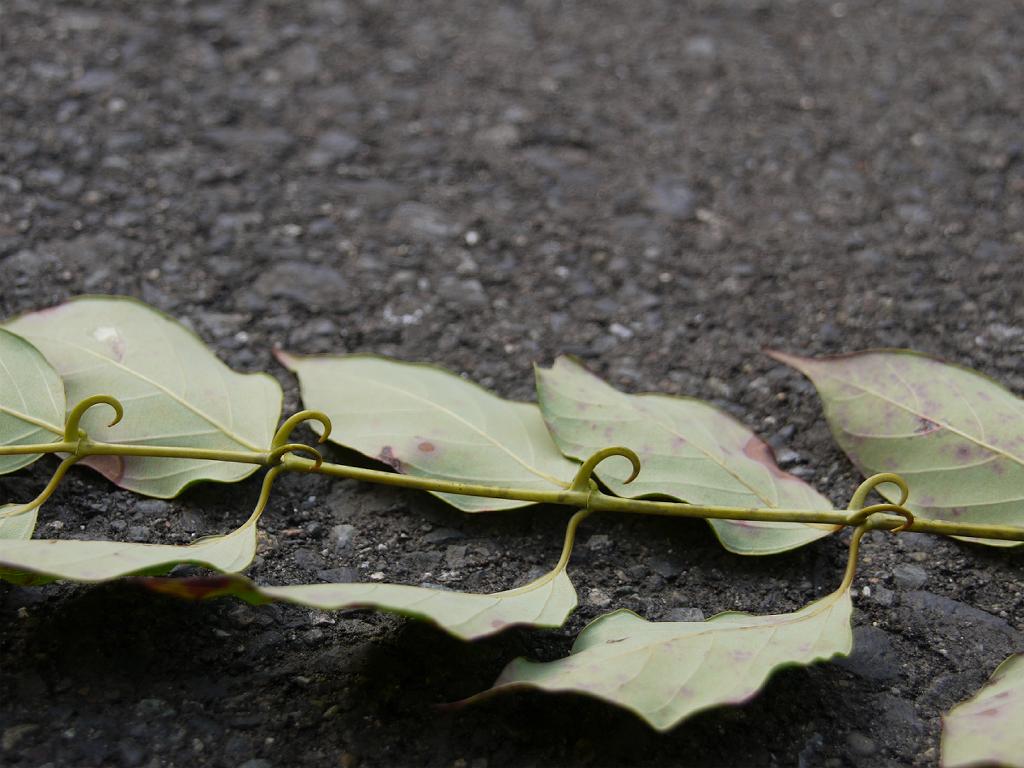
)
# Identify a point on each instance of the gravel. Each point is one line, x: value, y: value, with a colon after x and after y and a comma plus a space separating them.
x: 663, y: 189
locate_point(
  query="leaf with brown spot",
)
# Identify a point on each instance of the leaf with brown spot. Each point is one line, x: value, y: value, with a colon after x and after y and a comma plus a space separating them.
x: 688, y: 449
x: 956, y: 436
x: 423, y: 420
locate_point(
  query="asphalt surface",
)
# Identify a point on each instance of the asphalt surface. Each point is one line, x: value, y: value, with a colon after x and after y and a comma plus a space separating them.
x: 660, y: 188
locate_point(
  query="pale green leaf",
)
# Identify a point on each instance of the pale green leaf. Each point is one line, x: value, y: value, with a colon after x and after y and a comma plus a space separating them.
x: 957, y: 437
x: 175, y: 391
x: 18, y: 526
x: 94, y: 561
x: 667, y: 671
x: 987, y: 729
x: 544, y: 603
x: 423, y: 420
x: 688, y: 451
x: 31, y: 400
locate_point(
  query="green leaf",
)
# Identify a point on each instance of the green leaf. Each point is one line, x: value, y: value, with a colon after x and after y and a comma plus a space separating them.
x: 426, y: 421
x: 544, y: 603
x: 175, y: 391
x: 957, y: 437
x: 94, y: 561
x: 689, y: 451
x: 31, y: 400
x: 986, y: 730
x: 18, y: 526
x: 667, y: 671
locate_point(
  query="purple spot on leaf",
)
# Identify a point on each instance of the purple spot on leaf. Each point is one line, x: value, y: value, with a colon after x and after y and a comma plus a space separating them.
x: 388, y: 457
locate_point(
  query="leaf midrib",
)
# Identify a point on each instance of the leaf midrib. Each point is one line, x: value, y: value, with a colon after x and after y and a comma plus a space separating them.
x: 24, y: 416
x: 31, y: 420
x: 977, y: 441
x: 768, y: 502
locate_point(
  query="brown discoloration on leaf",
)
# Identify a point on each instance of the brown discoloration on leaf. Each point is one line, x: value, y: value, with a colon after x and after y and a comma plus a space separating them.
x: 952, y: 431
x: 427, y: 447
x: 111, y: 467
x: 284, y: 358
x: 198, y: 588
x: 387, y: 455
x: 758, y: 450
x: 52, y: 311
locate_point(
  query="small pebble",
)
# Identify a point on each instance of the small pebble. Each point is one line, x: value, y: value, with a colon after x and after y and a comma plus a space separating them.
x: 909, y: 576
x: 861, y: 745
x: 685, y: 614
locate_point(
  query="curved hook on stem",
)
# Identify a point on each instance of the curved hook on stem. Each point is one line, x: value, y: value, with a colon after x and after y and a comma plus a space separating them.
x: 289, y: 425
x: 275, y: 456
x: 584, y: 475
x: 863, y: 514
x: 860, y: 495
x: 72, y: 431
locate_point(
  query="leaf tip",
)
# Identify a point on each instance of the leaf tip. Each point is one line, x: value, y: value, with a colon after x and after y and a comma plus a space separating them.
x: 798, y: 362
x: 782, y: 357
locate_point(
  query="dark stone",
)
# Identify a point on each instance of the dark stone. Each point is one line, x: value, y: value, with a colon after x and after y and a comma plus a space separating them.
x: 873, y: 656
x: 339, y: 575
x: 310, y: 284
x: 253, y: 140
x: 421, y: 222
x: 861, y: 745
x: 443, y: 536
x: 308, y: 560
x: 909, y: 576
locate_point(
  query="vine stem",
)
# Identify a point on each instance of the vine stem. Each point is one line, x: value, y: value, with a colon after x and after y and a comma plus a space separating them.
x: 582, y: 494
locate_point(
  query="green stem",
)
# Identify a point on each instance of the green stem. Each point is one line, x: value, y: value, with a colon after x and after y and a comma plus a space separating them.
x: 25, y: 450
x: 89, y: 448
x: 851, y: 563
x: 563, y: 560
x: 46, y: 493
x: 597, y: 501
x: 86, y: 447
x: 594, y: 500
